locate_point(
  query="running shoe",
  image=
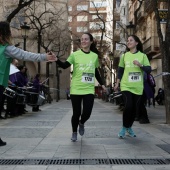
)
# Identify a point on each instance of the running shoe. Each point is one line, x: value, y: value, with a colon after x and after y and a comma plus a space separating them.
x: 81, y: 129
x: 2, y: 143
x: 130, y: 132
x: 74, y: 136
x: 121, y: 134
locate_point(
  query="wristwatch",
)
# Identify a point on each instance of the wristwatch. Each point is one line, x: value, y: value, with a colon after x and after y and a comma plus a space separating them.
x: 141, y: 65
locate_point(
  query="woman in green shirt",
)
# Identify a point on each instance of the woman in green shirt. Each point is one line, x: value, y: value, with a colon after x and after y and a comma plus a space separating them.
x: 130, y: 76
x: 85, y: 64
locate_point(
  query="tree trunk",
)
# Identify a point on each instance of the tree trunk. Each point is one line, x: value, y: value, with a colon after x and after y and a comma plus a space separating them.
x: 165, y: 51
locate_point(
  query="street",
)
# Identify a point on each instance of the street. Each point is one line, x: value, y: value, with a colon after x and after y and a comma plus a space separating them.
x: 43, y: 135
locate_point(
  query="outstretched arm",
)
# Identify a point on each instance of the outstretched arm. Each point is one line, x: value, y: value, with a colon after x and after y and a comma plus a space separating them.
x: 14, y: 52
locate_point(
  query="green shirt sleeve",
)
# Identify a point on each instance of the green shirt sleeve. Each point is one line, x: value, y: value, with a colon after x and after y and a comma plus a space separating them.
x: 71, y: 59
x: 121, y: 62
x: 145, y: 60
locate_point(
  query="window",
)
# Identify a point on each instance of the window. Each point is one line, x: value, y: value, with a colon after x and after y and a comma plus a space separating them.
x: 70, y: 19
x: 98, y: 4
x: 82, y: 18
x: 82, y: 29
x: 96, y: 25
x: 69, y: 8
x: 96, y: 17
x: 82, y: 7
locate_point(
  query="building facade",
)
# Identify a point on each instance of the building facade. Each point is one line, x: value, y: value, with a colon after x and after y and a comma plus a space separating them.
x: 53, y: 37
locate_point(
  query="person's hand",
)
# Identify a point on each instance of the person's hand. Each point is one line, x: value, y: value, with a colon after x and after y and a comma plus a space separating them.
x: 136, y: 62
x: 51, y: 56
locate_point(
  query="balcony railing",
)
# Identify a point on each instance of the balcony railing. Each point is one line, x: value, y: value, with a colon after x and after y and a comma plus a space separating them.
x: 151, y: 45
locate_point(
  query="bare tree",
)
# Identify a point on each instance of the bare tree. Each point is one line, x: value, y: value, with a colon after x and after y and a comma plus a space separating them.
x: 21, y: 4
x: 52, y: 32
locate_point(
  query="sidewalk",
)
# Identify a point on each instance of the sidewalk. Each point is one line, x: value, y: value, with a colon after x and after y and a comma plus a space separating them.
x: 46, y: 135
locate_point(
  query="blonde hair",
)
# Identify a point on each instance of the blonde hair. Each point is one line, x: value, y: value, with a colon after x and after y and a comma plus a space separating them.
x: 5, y: 33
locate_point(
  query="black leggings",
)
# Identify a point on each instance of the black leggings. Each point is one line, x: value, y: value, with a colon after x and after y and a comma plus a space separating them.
x: 132, y: 106
x: 88, y: 101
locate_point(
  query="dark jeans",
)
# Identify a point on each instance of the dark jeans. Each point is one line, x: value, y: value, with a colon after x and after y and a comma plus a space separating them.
x: 132, y: 105
x: 78, y: 111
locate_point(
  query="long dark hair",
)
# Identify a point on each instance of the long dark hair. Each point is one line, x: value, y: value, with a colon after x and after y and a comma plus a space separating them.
x: 5, y: 33
x: 93, y: 45
x: 139, y: 46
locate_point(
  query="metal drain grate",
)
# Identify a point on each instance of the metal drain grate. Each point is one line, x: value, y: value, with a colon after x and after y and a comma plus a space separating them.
x: 84, y: 161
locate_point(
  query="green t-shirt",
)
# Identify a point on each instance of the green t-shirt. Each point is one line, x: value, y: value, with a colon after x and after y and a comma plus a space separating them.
x: 132, y: 79
x: 83, y: 79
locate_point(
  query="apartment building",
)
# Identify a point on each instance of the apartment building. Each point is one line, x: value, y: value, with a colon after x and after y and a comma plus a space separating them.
x: 146, y: 29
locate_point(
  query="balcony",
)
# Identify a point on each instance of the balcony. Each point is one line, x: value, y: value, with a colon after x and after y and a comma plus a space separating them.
x: 148, y: 6
x: 151, y: 46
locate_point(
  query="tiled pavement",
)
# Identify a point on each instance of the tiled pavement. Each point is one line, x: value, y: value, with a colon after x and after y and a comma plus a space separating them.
x: 46, y: 135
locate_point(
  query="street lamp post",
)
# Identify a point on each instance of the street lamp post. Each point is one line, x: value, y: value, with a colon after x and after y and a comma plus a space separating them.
x: 130, y: 28
x: 24, y: 32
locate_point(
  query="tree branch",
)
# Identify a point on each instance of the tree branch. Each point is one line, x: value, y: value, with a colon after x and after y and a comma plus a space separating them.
x: 21, y: 5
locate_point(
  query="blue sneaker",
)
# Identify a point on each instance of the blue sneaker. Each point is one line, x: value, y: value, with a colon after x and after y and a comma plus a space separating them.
x: 130, y: 132
x: 121, y: 134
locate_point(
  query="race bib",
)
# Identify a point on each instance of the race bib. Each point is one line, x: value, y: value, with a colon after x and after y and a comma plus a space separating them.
x: 88, y: 78
x: 134, y: 77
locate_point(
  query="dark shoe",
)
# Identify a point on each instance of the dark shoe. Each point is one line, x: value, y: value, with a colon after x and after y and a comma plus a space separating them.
x: 81, y: 129
x: 136, y: 119
x: 144, y: 121
x: 1, y: 117
x: 7, y: 116
x: 2, y: 143
x: 25, y: 110
x: 35, y: 110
